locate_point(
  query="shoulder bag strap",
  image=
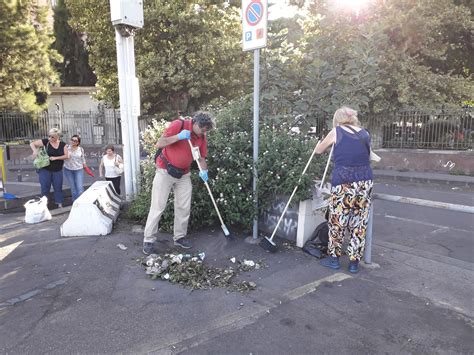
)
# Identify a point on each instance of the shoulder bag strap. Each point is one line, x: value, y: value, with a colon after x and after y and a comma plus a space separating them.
x: 161, y: 155
x: 364, y: 143
x: 83, y: 156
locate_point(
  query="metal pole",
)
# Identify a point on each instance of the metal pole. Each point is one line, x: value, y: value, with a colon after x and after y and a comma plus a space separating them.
x: 124, y: 112
x: 368, y: 236
x: 3, y: 169
x: 256, y: 100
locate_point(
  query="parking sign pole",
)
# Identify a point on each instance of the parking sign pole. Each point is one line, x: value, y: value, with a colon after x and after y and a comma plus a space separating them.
x: 256, y: 100
x: 254, y: 37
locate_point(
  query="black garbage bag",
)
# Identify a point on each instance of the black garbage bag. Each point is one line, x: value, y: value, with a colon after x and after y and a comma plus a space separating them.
x: 317, y: 244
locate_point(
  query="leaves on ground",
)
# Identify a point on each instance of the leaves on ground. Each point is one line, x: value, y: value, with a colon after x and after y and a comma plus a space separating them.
x: 192, y: 272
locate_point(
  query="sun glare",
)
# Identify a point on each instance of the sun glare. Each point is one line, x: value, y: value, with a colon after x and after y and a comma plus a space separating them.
x: 350, y: 5
x: 280, y: 8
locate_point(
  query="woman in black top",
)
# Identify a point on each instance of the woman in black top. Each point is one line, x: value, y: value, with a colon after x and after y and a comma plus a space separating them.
x: 53, y: 173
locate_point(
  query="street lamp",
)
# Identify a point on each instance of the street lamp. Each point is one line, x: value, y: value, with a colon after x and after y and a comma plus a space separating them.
x: 127, y: 17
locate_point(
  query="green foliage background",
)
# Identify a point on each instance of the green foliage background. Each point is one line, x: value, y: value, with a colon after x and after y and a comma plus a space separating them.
x: 387, y: 56
x: 390, y: 55
x: 74, y: 70
x: 26, y: 59
x: 187, y: 54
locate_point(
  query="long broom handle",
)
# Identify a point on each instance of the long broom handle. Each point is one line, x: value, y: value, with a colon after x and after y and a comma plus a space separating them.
x: 327, y: 166
x: 207, y: 186
x: 294, y: 191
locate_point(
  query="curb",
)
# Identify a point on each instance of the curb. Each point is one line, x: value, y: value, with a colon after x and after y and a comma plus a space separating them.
x: 462, y: 182
x: 16, y: 205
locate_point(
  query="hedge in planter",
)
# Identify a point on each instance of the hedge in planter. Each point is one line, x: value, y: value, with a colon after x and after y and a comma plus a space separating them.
x: 282, y: 158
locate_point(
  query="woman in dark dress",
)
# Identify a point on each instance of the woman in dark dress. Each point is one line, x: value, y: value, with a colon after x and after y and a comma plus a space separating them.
x: 53, y: 173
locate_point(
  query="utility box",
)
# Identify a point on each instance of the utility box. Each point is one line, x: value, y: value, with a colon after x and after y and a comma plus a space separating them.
x: 127, y: 12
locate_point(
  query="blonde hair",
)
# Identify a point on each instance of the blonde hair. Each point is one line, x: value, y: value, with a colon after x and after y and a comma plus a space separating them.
x: 345, y: 115
x: 55, y: 131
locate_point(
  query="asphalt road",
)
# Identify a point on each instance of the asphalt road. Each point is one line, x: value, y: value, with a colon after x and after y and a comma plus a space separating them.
x: 85, y: 295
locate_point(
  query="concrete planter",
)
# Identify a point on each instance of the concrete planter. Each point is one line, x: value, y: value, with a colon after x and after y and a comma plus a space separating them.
x: 298, y: 224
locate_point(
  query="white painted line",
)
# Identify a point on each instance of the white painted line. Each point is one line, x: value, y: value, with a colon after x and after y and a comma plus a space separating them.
x: 424, y: 203
x: 30, y: 294
x: 7, y: 249
x: 438, y: 226
x: 312, y: 286
x: 23, y: 183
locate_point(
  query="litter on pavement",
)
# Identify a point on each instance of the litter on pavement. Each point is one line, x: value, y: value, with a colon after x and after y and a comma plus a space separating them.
x: 190, y: 271
x: 121, y: 246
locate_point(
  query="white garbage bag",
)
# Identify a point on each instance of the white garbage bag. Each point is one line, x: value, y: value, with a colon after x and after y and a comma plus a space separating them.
x: 37, y: 210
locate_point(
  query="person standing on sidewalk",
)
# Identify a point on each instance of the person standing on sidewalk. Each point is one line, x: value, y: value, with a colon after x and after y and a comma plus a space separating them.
x: 53, y: 173
x: 74, y: 167
x: 108, y: 163
x: 173, y: 172
x: 351, y: 191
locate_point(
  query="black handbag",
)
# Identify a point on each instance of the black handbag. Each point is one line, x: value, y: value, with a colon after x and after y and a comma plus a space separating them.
x: 172, y: 170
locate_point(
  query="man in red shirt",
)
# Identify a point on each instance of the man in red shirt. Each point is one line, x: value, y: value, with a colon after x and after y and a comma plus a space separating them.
x: 173, y: 173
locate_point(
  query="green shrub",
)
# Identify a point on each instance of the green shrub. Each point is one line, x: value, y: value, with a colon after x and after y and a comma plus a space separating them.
x: 282, y: 158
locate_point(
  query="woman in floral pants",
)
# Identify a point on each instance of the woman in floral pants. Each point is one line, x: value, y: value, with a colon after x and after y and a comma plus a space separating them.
x: 351, y: 192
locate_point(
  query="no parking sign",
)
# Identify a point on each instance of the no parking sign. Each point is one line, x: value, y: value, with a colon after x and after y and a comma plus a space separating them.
x: 254, y: 24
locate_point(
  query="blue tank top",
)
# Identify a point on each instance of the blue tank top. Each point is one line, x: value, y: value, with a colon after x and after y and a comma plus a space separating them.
x: 351, y: 157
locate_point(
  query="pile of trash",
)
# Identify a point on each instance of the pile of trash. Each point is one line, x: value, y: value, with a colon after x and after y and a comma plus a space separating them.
x: 190, y: 271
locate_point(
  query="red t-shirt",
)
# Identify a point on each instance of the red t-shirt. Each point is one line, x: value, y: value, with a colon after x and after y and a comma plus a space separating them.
x: 179, y: 153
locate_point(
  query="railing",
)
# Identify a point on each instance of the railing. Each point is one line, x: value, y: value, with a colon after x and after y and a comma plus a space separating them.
x: 423, y: 130
x: 94, y: 127
x: 408, y: 129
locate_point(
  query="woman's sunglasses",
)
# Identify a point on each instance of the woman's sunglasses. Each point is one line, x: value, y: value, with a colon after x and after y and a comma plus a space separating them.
x: 74, y: 140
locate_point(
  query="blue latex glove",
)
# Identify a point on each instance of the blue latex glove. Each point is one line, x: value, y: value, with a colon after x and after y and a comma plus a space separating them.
x: 203, y: 175
x: 184, y: 134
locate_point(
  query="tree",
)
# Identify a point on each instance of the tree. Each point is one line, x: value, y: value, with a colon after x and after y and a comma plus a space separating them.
x: 74, y: 69
x: 187, y: 54
x: 26, y: 59
x: 391, y: 55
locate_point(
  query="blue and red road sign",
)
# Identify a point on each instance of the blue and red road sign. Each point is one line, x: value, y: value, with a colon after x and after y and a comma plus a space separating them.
x: 254, y: 24
x: 254, y: 12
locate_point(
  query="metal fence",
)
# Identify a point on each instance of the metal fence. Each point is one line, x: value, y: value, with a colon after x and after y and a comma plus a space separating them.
x: 94, y: 127
x: 144, y: 122
x: 407, y: 129
x: 442, y: 130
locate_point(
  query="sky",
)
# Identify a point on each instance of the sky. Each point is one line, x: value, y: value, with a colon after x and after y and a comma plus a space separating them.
x: 280, y: 8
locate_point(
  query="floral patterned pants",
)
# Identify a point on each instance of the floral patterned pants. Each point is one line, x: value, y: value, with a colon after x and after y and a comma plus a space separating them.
x: 349, y: 208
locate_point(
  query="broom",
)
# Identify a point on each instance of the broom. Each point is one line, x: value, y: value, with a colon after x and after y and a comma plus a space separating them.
x: 268, y: 243
x: 319, y: 201
x: 197, y: 156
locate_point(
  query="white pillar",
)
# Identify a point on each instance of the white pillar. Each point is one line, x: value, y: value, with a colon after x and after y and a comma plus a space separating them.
x: 129, y: 111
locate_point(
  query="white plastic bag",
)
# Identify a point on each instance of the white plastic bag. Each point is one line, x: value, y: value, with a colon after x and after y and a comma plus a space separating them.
x: 374, y: 157
x: 37, y: 210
